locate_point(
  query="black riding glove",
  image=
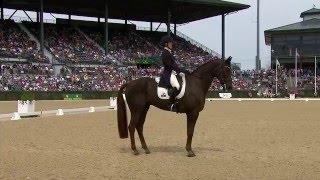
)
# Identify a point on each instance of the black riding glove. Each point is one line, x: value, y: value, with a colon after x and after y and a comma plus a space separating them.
x: 186, y: 72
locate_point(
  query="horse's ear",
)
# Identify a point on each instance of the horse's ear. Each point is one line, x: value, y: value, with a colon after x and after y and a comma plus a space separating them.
x: 228, y: 61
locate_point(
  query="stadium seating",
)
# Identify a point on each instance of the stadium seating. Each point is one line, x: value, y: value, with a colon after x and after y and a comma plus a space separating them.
x: 189, y: 55
x: 124, y: 46
x: 73, y: 46
x: 15, y: 43
x: 68, y: 45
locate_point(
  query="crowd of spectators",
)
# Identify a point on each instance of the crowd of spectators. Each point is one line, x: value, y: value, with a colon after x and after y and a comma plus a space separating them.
x: 15, y: 43
x: 264, y: 81
x: 71, y: 46
x: 190, y: 55
x: 125, y: 46
x: 39, y: 77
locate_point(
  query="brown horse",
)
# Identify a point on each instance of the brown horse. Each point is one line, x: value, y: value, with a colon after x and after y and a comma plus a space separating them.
x: 141, y: 93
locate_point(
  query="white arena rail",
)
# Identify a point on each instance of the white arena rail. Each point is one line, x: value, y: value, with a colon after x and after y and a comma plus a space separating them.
x: 61, y: 112
x: 263, y: 99
x: 26, y: 109
x: 58, y: 112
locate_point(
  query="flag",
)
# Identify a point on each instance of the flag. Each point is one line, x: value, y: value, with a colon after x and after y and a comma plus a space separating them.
x: 296, y: 68
x: 277, y: 63
x: 297, y: 54
x: 290, y: 52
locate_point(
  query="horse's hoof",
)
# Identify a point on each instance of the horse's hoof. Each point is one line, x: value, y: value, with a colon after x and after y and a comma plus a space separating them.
x: 191, y: 154
x: 147, y: 151
x: 135, y: 152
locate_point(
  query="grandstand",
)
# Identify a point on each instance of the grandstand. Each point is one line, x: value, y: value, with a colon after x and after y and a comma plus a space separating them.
x: 303, y: 36
x: 74, y: 56
x: 83, y: 55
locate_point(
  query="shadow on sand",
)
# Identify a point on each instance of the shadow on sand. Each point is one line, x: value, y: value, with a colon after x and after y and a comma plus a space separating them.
x: 172, y: 149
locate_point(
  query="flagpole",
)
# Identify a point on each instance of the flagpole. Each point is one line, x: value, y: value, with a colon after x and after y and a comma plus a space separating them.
x: 277, y: 77
x: 296, y: 69
x: 315, y: 76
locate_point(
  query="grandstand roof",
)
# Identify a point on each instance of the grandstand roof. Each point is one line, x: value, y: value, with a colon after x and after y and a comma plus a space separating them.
x: 183, y: 11
x: 312, y: 25
x: 313, y: 11
x: 308, y: 25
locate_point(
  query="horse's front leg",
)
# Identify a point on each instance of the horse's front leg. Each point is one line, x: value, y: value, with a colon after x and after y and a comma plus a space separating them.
x: 191, y: 122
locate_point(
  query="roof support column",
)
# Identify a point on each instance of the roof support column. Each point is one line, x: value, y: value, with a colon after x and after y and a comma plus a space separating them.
x: 98, y: 19
x: 38, y: 16
x: 169, y: 21
x: 41, y: 28
x: 106, y: 27
x: 69, y: 19
x: 151, y: 26
x: 2, y: 13
x: 223, y: 45
x: 175, y: 29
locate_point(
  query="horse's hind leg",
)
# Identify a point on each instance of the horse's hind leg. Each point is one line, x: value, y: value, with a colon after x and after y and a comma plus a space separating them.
x: 140, y: 129
x: 132, y: 126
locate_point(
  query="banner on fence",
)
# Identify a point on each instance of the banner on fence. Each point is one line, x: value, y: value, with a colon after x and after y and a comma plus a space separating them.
x: 225, y: 95
x: 72, y: 97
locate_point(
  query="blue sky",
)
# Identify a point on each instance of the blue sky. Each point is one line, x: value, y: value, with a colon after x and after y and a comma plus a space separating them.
x: 240, y: 28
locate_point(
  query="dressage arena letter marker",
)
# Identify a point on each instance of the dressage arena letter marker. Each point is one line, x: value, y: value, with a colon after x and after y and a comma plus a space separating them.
x: 113, y: 103
x: 60, y: 112
x: 15, y: 116
x: 92, y: 110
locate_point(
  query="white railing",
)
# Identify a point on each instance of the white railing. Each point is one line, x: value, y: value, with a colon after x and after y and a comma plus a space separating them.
x: 13, y: 59
x: 21, y: 19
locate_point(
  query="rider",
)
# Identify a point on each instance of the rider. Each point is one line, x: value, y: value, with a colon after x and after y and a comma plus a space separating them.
x: 169, y: 63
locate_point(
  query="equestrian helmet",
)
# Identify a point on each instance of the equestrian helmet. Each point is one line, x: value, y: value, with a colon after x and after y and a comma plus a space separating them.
x: 166, y: 39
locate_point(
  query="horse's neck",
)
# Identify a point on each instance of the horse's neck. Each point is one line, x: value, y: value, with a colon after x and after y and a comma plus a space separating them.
x: 207, y: 73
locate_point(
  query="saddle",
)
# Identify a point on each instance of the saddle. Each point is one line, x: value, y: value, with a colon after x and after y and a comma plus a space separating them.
x: 177, y: 81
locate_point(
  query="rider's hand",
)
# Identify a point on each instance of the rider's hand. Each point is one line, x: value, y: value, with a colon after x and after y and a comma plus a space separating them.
x: 186, y: 72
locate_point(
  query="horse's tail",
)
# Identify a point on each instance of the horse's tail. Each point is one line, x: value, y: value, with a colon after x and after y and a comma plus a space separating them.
x: 122, y: 114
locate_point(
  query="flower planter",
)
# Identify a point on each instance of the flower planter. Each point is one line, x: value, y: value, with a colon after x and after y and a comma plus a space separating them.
x: 113, y: 102
x: 26, y: 107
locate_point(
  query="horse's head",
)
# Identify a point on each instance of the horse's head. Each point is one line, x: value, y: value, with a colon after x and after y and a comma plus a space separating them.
x: 224, y: 76
x: 215, y: 69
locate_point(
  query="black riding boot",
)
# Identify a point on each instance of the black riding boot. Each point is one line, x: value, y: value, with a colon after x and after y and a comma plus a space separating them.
x: 173, y: 106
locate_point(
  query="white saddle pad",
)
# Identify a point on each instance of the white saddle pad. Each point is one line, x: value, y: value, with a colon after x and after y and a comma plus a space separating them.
x: 163, y: 92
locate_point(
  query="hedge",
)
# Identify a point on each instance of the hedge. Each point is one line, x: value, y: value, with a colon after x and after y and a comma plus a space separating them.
x: 28, y: 95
